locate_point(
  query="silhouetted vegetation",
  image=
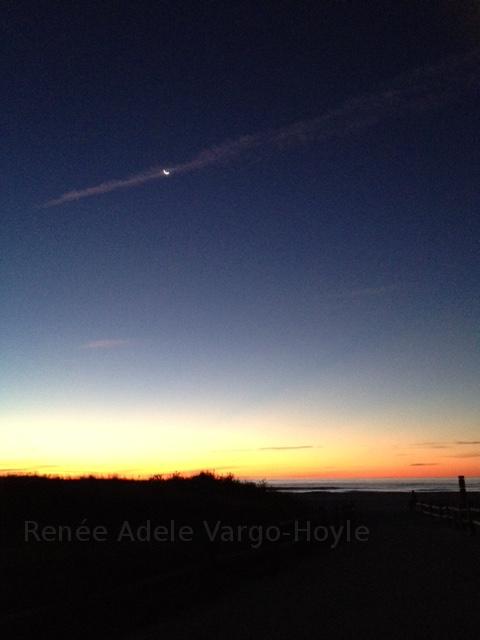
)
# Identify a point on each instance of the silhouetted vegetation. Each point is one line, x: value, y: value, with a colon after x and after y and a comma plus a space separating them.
x: 110, y: 501
x: 67, y: 571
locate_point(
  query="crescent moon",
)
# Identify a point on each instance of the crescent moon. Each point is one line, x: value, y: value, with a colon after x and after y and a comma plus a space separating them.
x: 166, y: 172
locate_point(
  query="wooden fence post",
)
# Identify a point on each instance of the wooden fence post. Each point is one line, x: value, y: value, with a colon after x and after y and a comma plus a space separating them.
x: 463, y: 492
x: 465, y: 515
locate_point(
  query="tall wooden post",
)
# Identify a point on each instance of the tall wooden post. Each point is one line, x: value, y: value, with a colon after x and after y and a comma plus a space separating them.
x: 465, y: 515
x: 463, y: 492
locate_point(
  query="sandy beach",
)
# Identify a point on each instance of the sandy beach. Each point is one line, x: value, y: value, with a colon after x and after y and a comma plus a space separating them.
x: 415, y: 577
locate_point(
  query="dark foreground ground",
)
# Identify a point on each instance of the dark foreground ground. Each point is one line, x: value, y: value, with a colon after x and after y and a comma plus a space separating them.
x: 416, y: 577
x: 411, y: 576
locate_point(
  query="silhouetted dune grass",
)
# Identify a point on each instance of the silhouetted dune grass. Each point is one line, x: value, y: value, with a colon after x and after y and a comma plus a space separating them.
x: 63, y: 570
x: 111, y: 501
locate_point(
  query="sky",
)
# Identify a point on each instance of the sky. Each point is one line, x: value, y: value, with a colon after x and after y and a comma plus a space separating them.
x: 241, y: 237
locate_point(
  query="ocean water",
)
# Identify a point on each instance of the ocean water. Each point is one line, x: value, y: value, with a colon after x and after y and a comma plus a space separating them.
x: 373, y: 484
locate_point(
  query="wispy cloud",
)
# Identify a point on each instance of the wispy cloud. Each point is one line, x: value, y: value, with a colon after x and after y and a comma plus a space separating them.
x: 444, y: 444
x: 465, y: 454
x: 280, y: 448
x: 364, y: 292
x: 423, y: 464
x: 105, y: 344
x: 431, y: 445
x: 422, y: 89
x: 306, y: 446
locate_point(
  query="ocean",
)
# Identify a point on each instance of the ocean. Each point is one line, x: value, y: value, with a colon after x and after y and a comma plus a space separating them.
x: 373, y: 484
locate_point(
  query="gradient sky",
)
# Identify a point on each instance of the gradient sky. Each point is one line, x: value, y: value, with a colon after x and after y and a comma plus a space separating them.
x: 308, y: 305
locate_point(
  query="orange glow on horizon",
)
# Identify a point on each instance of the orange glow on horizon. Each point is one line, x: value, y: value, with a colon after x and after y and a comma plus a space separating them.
x: 255, y: 473
x: 252, y: 446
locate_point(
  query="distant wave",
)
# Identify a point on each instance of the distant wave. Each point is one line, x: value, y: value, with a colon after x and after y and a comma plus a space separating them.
x: 375, y: 484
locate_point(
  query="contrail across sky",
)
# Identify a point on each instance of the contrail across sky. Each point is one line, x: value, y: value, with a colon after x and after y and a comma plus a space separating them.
x: 424, y: 88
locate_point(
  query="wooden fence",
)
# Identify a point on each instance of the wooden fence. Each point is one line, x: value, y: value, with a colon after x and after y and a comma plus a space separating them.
x: 461, y: 517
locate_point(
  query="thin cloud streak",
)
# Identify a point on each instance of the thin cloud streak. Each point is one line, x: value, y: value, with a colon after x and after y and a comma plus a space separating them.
x: 365, y: 292
x: 105, y: 344
x: 281, y: 448
x: 431, y: 445
x: 444, y: 445
x: 424, y: 464
x: 420, y: 90
x: 212, y: 156
x: 307, y: 446
x: 473, y: 454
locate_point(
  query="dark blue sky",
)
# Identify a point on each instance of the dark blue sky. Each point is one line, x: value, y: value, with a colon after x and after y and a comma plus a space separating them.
x: 324, y: 280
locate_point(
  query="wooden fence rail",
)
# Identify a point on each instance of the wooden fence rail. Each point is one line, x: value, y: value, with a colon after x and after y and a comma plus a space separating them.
x: 463, y: 517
